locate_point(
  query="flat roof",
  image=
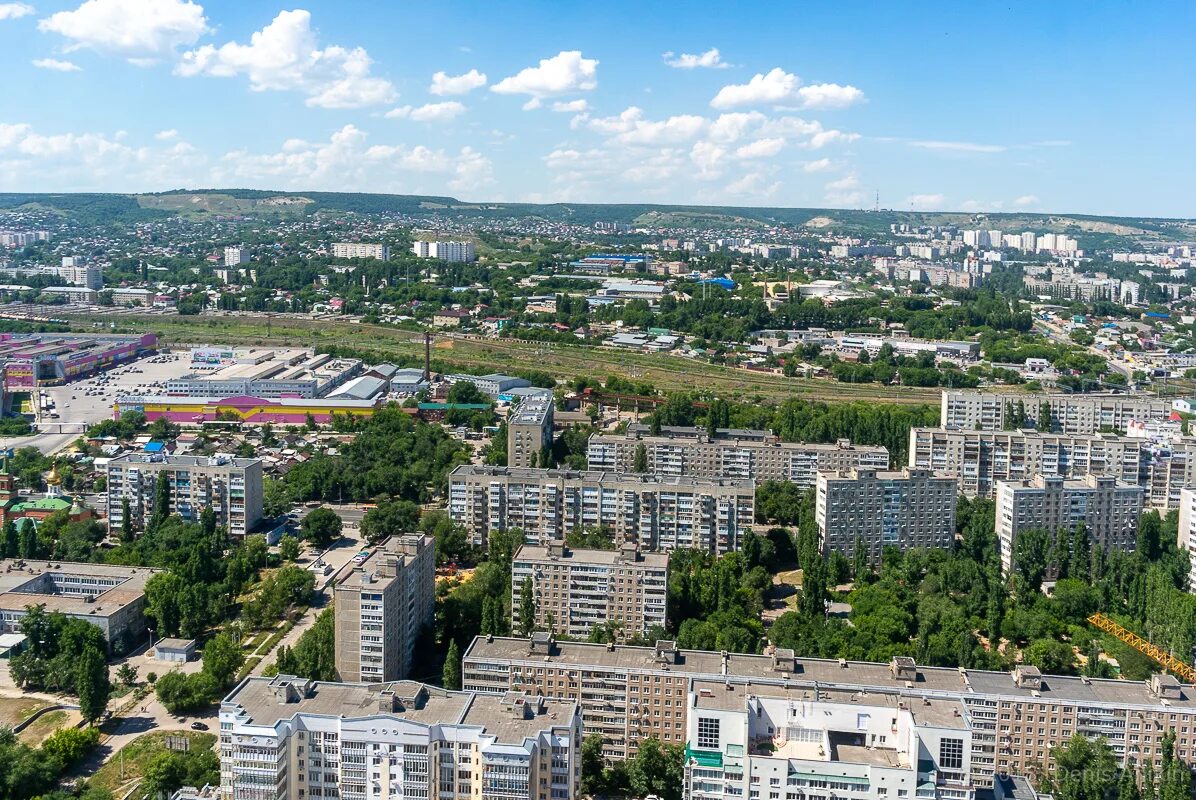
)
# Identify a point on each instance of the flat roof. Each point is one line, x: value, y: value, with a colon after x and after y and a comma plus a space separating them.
x: 830, y: 673
x: 18, y: 586
x: 260, y: 700
x: 219, y: 460
x: 599, y: 476
x: 531, y: 552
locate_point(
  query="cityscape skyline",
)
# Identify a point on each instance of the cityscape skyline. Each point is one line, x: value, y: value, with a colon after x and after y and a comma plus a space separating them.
x: 997, y: 116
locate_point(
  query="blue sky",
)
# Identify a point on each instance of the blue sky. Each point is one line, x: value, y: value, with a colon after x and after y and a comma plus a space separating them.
x: 1061, y: 106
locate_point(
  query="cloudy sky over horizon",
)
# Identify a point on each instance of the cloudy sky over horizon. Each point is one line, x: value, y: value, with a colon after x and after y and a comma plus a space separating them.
x: 1063, y: 107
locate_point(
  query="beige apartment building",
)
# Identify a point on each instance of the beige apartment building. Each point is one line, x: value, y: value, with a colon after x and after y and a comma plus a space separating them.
x: 656, y: 512
x: 289, y: 738
x: 906, y: 509
x: 628, y: 694
x: 576, y: 589
x: 529, y: 430
x: 1108, y: 508
x: 730, y: 453
x: 231, y: 487
x: 383, y: 607
x: 970, y: 409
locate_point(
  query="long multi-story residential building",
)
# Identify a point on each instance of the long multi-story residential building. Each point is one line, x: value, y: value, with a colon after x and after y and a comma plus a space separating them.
x: 529, y: 430
x: 289, y: 738
x: 1187, y: 532
x: 383, y: 607
x: 576, y: 589
x: 458, y: 252
x: 88, y: 276
x: 628, y: 694
x: 231, y: 487
x: 360, y: 250
x: 837, y: 743
x: 1108, y: 508
x: 979, y: 459
x: 972, y: 410
x: 906, y: 509
x: 729, y: 453
x: 656, y: 512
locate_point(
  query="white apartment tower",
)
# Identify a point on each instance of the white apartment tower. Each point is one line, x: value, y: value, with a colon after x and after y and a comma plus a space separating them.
x: 906, y: 509
x: 1109, y: 509
x: 459, y: 252
x: 383, y: 607
x: 576, y: 589
x: 236, y: 256
x: 289, y: 738
x: 360, y: 250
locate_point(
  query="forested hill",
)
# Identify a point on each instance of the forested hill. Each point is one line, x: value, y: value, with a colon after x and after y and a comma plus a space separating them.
x: 126, y: 208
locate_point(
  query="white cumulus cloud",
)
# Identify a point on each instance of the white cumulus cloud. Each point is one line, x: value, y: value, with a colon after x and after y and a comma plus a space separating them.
x: 167, y: 135
x: 844, y: 192
x: 431, y: 112
x: 711, y: 59
x: 761, y: 148
x: 15, y: 10
x: 140, y: 30
x: 754, y: 184
x: 56, y: 65
x: 564, y: 73
x: 958, y: 147
x: 445, y: 84
x: 286, y: 56
x: 778, y: 87
x: 925, y: 202
x: 571, y: 106
x: 1026, y: 200
x: 818, y: 165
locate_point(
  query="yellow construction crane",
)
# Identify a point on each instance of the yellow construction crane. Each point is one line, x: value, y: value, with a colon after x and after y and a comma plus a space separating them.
x: 1169, y: 662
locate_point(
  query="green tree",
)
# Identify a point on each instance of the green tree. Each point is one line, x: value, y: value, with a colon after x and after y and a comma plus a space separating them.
x: 1127, y: 784
x: 1032, y: 550
x: 288, y: 548
x: 640, y: 462
x: 657, y: 769
x: 593, y: 765
x: 126, y: 520
x: 91, y: 684
x: 222, y: 657
x: 10, y: 541
x: 1085, y: 769
x: 127, y: 674
x: 322, y: 526
x: 527, y: 608
x: 207, y: 521
x: 452, y: 667
x: 161, y: 510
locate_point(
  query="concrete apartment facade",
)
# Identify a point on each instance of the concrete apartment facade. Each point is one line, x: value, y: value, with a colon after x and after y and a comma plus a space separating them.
x: 576, y: 589
x: 1187, y: 532
x: 1070, y: 413
x: 628, y: 694
x: 655, y: 512
x: 730, y: 453
x: 382, y: 608
x: 108, y: 596
x: 1108, y: 508
x: 529, y: 430
x: 905, y: 509
x: 289, y: 738
x: 360, y: 250
x: 459, y: 252
x: 231, y: 487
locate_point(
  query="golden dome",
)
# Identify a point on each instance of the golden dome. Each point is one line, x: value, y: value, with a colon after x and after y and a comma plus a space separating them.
x: 53, y: 478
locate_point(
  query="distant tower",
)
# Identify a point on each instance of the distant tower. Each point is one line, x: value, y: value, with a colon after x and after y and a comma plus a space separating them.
x: 877, y: 206
x: 427, y: 356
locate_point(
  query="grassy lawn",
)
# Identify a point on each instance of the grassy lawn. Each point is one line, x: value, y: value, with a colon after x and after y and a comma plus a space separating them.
x: 139, y: 753
x: 47, y: 724
x: 18, y: 709
x: 670, y: 373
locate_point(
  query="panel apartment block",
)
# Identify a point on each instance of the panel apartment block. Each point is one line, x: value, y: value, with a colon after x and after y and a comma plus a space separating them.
x: 289, y: 738
x: 1108, y: 508
x: 576, y: 589
x: 382, y: 608
x: 656, y: 512
x: 231, y: 487
x: 529, y: 430
x: 1187, y: 532
x: 628, y: 694
x: 730, y: 453
x: 1070, y: 413
x: 906, y: 509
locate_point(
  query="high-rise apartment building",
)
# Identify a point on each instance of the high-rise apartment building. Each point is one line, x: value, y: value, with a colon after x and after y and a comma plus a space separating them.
x: 76, y: 273
x: 360, y: 250
x: 231, y: 487
x: 383, y: 607
x: 628, y: 694
x: 906, y: 509
x: 529, y: 430
x: 837, y: 743
x: 576, y: 589
x: 729, y: 453
x: 1109, y: 509
x: 235, y: 256
x: 972, y: 410
x: 1187, y: 532
x: 979, y: 459
x: 656, y: 512
x: 289, y: 738
x: 459, y: 252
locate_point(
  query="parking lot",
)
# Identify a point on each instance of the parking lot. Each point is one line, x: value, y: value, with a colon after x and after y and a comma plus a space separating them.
x: 82, y: 404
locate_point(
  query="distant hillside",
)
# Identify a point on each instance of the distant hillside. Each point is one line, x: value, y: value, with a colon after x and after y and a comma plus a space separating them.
x: 197, y: 204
